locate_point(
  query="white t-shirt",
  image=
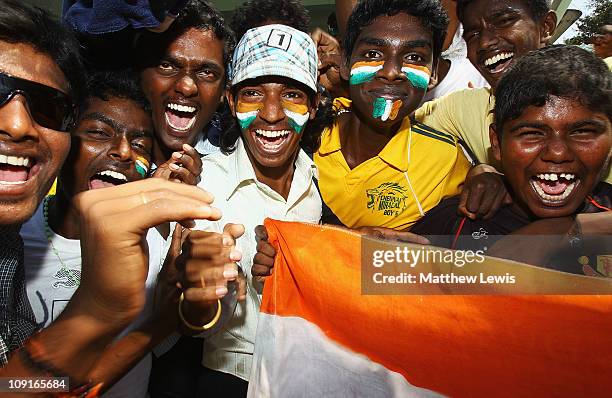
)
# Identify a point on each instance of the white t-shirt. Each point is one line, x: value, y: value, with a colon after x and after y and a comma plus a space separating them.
x: 50, y: 286
x: 242, y: 199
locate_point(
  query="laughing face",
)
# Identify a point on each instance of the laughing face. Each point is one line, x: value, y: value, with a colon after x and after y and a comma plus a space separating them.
x: 553, y: 156
x: 389, y: 69
x: 30, y: 155
x: 184, y: 88
x: 111, y: 146
x: 501, y: 31
x: 272, y: 113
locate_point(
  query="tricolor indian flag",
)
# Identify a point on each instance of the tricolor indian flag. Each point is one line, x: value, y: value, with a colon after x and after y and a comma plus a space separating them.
x: 417, y: 75
x: 386, y: 109
x: 142, y: 166
x: 246, y: 113
x: 297, y: 113
x: 320, y: 336
x: 364, y: 71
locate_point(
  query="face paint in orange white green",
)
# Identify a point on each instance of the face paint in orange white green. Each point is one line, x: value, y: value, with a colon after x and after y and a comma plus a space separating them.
x: 142, y: 166
x: 297, y: 114
x: 364, y: 71
x: 417, y: 75
x: 247, y: 112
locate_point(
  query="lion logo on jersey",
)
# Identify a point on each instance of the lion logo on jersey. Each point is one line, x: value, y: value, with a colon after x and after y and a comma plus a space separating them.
x: 389, y: 199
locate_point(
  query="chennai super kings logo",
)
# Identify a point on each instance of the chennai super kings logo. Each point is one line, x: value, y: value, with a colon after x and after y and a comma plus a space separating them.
x: 389, y: 198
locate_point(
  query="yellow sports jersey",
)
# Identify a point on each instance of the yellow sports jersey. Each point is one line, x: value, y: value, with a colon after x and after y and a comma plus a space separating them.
x: 417, y: 168
x: 466, y: 114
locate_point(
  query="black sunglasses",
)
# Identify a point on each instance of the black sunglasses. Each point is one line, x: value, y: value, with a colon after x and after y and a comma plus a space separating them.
x: 49, y: 107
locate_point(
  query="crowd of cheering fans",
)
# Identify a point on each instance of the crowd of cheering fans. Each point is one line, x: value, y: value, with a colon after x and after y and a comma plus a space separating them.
x: 141, y: 149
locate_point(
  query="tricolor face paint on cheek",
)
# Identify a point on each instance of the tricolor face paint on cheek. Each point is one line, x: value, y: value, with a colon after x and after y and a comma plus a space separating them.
x: 297, y: 114
x: 386, y: 109
x: 417, y: 75
x: 247, y: 112
x: 364, y: 71
x: 142, y: 166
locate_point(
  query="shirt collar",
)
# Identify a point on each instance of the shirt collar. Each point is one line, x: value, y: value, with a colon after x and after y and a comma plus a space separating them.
x: 242, y: 172
x: 330, y: 139
x: 395, y: 152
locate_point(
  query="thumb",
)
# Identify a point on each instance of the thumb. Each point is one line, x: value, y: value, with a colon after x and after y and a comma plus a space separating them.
x: 173, y: 251
x: 234, y: 231
x: 177, y: 240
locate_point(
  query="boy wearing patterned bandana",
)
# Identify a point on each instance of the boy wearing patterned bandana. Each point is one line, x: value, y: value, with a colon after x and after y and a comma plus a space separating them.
x: 262, y: 172
x: 378, y: 168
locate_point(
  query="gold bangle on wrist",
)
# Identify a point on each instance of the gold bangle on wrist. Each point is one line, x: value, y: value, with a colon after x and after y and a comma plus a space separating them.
x: 195, y: 327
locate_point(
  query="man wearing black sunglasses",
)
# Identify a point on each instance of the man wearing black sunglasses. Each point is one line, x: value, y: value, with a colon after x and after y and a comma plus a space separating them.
x: 35, y: 112
x: 41, y: 76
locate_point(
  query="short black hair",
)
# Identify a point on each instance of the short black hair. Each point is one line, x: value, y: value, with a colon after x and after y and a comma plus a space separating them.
x: 254, y: 13
x: 124, y: 84
x: 430, y: 12
x: 537, y: 8
x: 198, y: 14
x: 560, y: 71
x: 20, y: 23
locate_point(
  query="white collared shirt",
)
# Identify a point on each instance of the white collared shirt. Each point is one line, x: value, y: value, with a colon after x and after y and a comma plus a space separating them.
x: 242, y: 199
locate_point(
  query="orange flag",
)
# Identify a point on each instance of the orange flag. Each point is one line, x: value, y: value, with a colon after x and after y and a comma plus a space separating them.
x: 315, y: 321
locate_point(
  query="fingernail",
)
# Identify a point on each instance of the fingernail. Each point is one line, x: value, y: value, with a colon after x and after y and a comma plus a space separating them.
x: 221, y: 291
x: 235, y: 255
x: 186, y: 147
x: 174, y: 166
x: 230, y: 273
x: 227, y: 241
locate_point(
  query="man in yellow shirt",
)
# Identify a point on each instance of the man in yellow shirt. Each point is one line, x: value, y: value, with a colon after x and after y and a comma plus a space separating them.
x: 497, y: 34
x: 377, y: 168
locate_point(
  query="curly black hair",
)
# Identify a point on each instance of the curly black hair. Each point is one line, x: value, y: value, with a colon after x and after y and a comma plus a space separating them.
x: 20, y: 23
x: 124, y: 84
x: 254, y: 13
x: 430, y: 12
x: 560, y: 71
x: 537, y: 8
x: 198, y: 14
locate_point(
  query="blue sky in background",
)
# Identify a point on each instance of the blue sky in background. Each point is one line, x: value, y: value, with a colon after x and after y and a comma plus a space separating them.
x: 581, y: 5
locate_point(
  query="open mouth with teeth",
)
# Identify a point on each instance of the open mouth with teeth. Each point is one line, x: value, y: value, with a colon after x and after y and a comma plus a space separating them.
x: 180, y: 117
x: 15, y: 170
x: 107, y: 178
x: 554, y: 188
x: 499, y: 62
x: 271, y: 141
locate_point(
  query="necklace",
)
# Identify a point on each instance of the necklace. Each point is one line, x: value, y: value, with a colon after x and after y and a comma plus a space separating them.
x: 67, y: 277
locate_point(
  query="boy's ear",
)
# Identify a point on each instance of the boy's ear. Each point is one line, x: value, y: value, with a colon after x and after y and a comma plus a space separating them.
x: 548, y: 25
x: 495, y: 143
x: 314, y: 106
x: 433, y: 80
x: 345, y: 70
x: 230, y: 100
